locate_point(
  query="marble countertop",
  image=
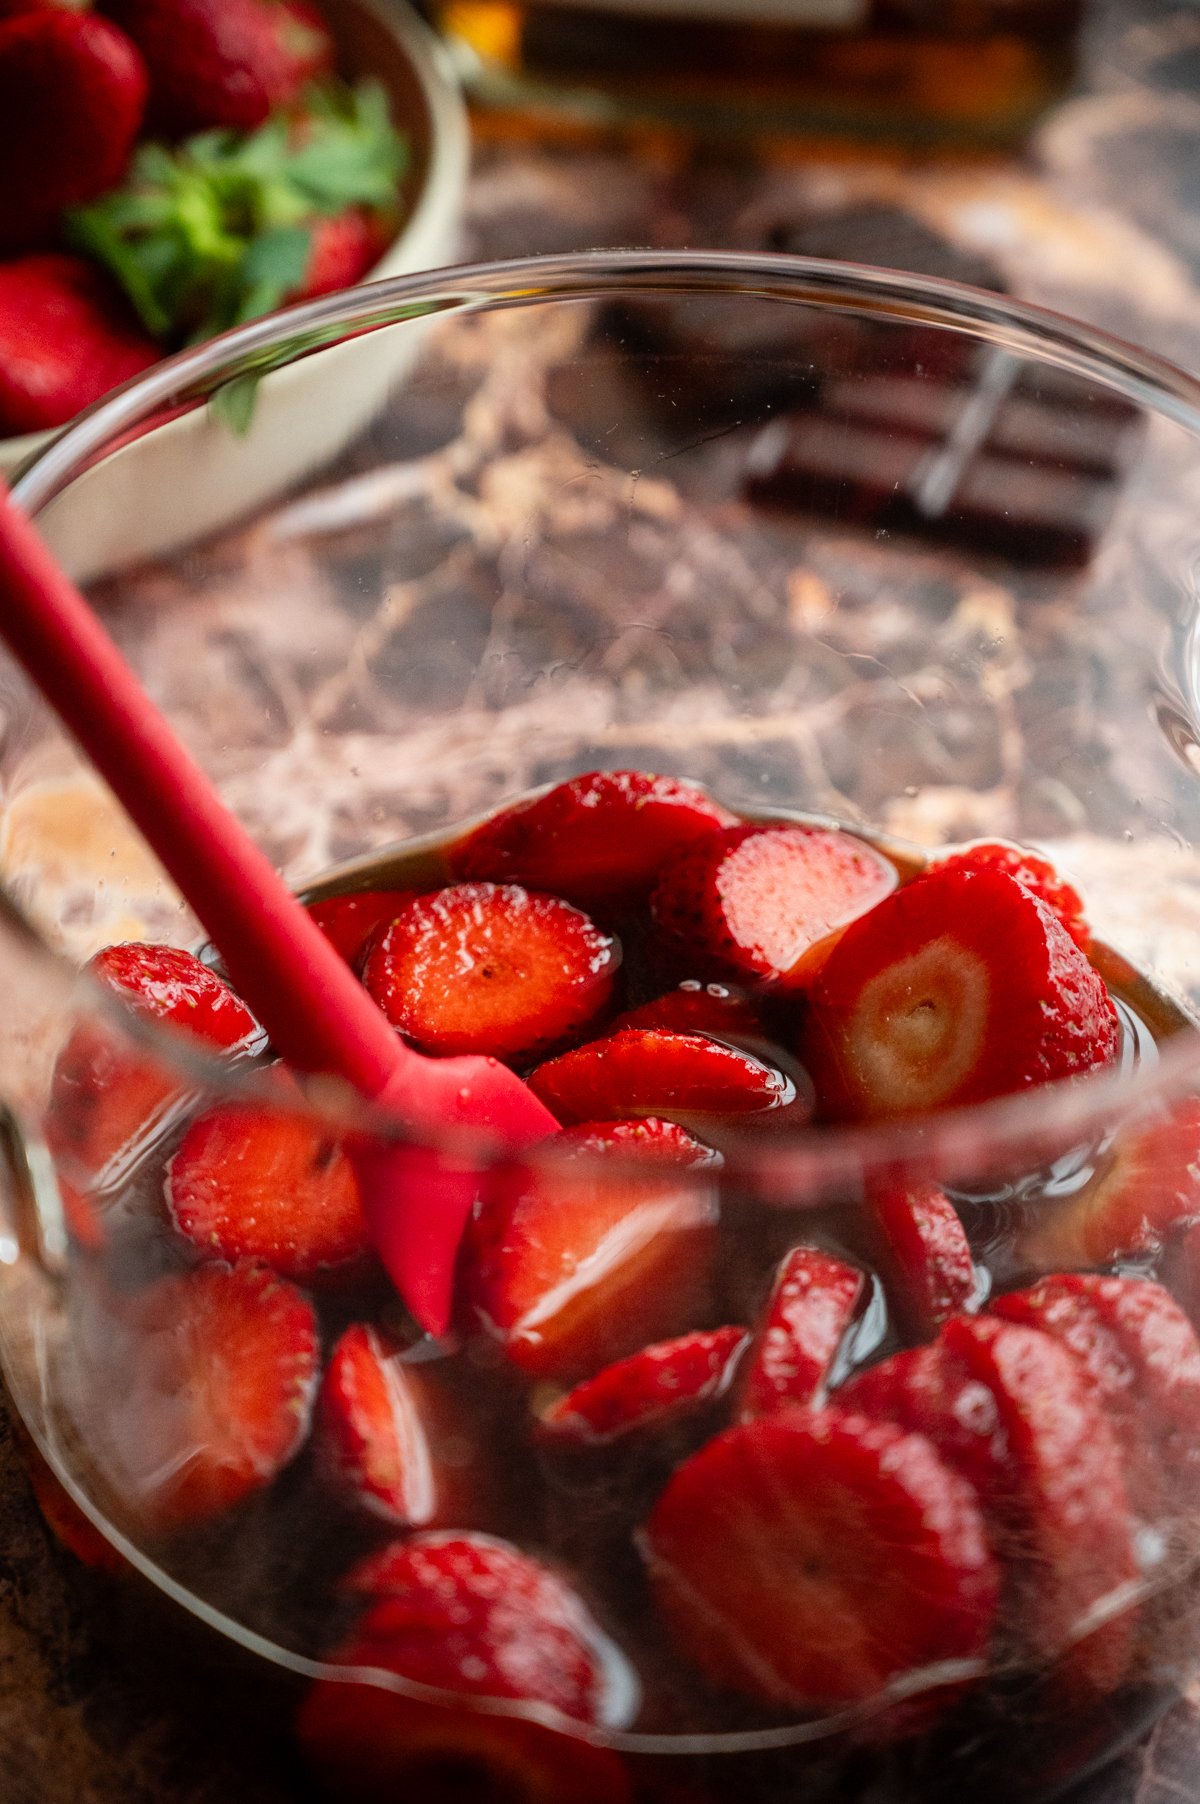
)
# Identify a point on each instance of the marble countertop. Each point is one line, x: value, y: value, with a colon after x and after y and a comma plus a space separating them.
x: 1100, y: 218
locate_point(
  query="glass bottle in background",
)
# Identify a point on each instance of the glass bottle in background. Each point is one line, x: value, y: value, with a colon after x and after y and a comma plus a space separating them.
x: 923, y: 70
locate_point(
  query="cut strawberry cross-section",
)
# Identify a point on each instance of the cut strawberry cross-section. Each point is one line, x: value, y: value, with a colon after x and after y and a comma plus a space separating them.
x: 768, y: 902
x: 960, y: 987
x: 811, y: 1305
x: 653, y: 1389
x: 1032, y: 872
x: 809, y: 1560
x: 382, y: 1425
x: 253, y: 1182
x: 107, y: 1099
x: 1136, y: 1348
x: 928, y: 1251
x: 655, y: 1071
x: 601, y: 838
x: 202, y: 1390
x: 570, y: 1265
x: 492, y: 969
x: 1150, y: 1185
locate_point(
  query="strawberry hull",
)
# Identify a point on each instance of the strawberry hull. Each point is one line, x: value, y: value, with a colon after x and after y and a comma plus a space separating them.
x: 818, y: 1471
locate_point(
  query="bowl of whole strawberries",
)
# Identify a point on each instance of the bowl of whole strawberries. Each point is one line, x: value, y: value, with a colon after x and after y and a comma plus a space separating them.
x: 755, y: 700
x: 177, y: 167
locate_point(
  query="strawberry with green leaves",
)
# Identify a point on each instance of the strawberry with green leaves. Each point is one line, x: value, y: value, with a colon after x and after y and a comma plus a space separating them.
x: 228, y: 227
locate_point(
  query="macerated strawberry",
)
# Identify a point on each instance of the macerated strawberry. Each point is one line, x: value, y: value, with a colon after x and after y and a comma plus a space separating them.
x: 203, y: 1390
x: 699, y: 1008
x: 600, y: 838
x: 808, y: 1559
x: 1063, y: 1503
x: 66, y: 338
x: 812, y: 1303
x: 1006, y: 1407
x: 72, y: 95
x: 251, y: 1182
x: 955, y: 989
x: 1031, y: 871
x: 652, y: 1389
x: 926, y: 1390
x: 655, y: 1071
x: 570, y: 1265
x: 224, y: 62
x: 472, y: 1615
x: 380, y: 1427
x: 1137, y: 1349
x: 928, y: 1251
x: 1150, y: 1186
x: 491, y: 968
x: 350, y: 922
x: 768, y: 902
x: 106, y: 1100
x: 647, y: 1138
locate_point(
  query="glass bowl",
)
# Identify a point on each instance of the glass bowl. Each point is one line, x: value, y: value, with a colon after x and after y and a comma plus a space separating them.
x: 842, y: 545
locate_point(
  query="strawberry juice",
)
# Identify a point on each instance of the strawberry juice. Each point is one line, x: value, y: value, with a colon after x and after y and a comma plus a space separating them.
x: 729, y: 1475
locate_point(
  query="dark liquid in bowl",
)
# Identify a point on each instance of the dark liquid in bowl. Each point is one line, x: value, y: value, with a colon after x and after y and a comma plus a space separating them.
x: 273, y: 1564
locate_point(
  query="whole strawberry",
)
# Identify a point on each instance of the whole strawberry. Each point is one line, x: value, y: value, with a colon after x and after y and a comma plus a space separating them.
x: 66, y: 338
x: 72, y: 96
x: 224, y: 62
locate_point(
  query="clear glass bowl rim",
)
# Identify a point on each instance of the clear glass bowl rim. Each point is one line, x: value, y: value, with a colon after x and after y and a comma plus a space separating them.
x: 957, y: 1137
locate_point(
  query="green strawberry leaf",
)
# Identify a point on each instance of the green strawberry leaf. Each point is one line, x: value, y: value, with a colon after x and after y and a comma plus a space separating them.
x: 219, y: 230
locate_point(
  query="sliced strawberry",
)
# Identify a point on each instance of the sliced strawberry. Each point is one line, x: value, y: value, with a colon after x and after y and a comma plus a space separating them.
x: 809, y: 1310
x: 928, y: 1251
x: 1006, y: 1407
x: 571, y: 1265
x: 492, y: 969
x: 654, y: 1071
x: 106, y: 1100
x: 808, y: 1560
x: 926, y: 1390
x: 1150, y: 1186
x: 648, y: 1138
x: 699, y: 1008
x: 349, y: 922
x: 768, y: 902
x: 472, y: 1614
x: 257, y: 1183
x: 204, y: 1390
x: 1063, y: 1502
x: 957, y: 988
x: 383, y: 1424
x: 1033, y: 873
x: 1138, y: 1351
x: 601, y: 838
x: 653, y: 1389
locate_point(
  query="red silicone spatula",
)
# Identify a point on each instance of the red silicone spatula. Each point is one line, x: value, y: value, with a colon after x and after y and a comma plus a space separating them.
x: 318, y: 1016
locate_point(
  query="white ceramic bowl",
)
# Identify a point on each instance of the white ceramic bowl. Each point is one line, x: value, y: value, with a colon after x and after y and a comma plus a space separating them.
x: 384, y: 39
